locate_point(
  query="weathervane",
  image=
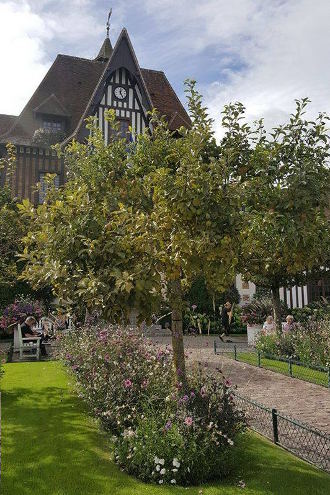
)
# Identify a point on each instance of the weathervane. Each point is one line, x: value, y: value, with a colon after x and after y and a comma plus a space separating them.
x: 108, y: 23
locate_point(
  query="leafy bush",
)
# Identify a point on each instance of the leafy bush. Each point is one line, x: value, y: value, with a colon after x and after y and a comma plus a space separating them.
x: 308, y: 343
x: 204, y: 324
x: 317, y: 310
x: 19, y: 310
x: 162, y: 433
x: 256, y: 312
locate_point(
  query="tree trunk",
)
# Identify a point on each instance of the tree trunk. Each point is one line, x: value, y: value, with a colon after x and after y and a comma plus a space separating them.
x: 277, y: 308
x: 177, y: 332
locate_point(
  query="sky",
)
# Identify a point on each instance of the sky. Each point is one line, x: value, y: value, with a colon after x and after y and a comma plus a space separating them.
x: 264, y: 53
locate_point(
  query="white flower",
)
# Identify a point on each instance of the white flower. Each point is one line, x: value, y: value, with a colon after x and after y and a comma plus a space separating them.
x: 158, y: 467
x: 230, y: 442
x: 176, y: 463
x: 174, y: 470
x: 163, y: 471
x: 156, y: 460
x: 162, y: 461
x: 173, y: 482
x: 160, y: 482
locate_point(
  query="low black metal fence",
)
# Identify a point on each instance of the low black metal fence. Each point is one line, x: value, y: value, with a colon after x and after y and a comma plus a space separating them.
x: 290, y: 367
x: 305, y: 442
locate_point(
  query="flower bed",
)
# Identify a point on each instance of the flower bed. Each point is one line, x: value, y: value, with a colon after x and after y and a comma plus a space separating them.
x: 308, y: 343
x: 161, y: 433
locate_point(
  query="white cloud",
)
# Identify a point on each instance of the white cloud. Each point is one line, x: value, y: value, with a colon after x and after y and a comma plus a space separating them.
x: 22, y: 37
x: 268, y: 52
x: 264, y: 53
x: 31, y: 34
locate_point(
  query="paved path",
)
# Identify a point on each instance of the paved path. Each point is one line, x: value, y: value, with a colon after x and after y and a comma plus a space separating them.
x: 301, y: 400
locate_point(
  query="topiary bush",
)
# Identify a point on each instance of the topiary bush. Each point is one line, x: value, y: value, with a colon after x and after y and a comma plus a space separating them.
x: 162, y: 433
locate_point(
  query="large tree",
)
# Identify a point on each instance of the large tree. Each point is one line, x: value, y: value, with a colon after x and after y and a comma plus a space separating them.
x: 285, y: 176
x: 138, y: 221
x: 11, y: 225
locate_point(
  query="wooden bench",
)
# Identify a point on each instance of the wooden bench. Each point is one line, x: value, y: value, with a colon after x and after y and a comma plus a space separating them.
x: 26, y: 344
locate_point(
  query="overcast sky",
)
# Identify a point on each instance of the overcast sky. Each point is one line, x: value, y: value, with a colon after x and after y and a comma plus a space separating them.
x: 264, y: 53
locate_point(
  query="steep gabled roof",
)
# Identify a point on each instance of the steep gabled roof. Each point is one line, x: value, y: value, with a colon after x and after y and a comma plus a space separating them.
x: 6, y: 122
x: 72, y: 80
x: 165, y: 99
x: 73, y: 86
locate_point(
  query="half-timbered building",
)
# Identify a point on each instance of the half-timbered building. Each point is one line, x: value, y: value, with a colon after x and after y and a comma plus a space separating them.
x: 73, y: 89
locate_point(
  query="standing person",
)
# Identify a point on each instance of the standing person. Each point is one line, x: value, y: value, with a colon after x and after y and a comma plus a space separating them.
x: 226, y: 315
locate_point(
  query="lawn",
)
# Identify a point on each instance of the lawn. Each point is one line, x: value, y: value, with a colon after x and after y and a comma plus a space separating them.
x: 301, y: 372
x: 51, y: 447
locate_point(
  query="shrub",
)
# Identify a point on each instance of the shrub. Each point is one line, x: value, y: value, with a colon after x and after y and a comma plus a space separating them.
x: 308, y: 343
x: 117, y: 373
x: 256, y: 312
x: 188, y: 441
x: 163, y: 433
x: 318, y: 310
x: 311, y: 342
x: 19, y: 310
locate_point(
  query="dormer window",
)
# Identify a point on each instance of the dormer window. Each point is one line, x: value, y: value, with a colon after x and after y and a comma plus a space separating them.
x: 52, y: 125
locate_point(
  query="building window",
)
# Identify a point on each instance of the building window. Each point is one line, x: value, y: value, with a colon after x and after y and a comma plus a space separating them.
x: 124, y: 129
x: 53, y: 125
x: 44, y: 186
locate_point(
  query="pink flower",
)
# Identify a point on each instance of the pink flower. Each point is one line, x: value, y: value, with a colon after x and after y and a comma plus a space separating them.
x: 127, y: 383
x: 188, y: 421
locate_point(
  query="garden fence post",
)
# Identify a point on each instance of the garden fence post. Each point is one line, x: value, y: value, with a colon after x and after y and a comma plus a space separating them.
x: 215, y: 347
x: 275, y: 425
x: 235, y: 352
x: 259, y: 359
x: 290, y: 367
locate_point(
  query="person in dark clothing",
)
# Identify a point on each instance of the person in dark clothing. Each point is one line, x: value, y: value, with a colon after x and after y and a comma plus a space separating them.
x: 27, y: 327
x: 27, y: 331
x: 226, y: 314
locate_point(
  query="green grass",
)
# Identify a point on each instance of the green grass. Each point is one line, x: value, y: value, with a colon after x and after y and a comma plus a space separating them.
x: 50, y: 446
x: 301, y: 372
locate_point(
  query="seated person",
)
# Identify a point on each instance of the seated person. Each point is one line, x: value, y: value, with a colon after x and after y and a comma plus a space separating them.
x: 269, y: 326
x: 27, y: 331
x: 289, y: 324
x: 27, y: 327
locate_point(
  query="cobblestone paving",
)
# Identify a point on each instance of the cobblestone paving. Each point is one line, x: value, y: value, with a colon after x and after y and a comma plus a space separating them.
x: 301, y: 400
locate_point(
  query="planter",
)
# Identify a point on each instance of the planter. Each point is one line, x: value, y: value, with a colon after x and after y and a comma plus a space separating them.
x: 252, y: 332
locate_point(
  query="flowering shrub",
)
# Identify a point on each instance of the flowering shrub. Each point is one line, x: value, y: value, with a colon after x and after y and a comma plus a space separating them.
x: 318, y: 310
x: 308, y: 343
x: 188, y: 441
x: 162, y: 433
x: 118, y: 374
x: 19, y: 310
x: 256, y: 312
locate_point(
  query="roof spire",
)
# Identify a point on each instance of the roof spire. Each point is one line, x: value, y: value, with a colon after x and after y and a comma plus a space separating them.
x: 108, y: 22
x: 106, y: 49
